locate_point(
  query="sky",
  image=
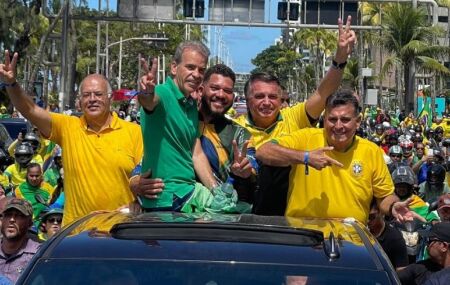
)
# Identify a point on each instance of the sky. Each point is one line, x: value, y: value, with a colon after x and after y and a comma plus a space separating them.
x: 243, y: 43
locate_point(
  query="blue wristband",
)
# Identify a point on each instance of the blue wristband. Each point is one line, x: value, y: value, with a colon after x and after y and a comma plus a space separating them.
x: 305, y: 161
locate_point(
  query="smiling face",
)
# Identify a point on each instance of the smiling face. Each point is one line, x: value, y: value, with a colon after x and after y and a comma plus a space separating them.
x: 188, y: 73
x: 217, y: 95
x: 264, y: 102
x: 340, y: 124
x: 94, y: 98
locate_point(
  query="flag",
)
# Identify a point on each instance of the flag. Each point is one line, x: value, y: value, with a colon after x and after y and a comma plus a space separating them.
x: 425, y: 114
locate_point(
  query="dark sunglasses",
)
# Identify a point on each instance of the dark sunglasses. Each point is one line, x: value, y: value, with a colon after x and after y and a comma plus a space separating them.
x: 396, y: 155
x: 53, y: 220
x: 419, y: 148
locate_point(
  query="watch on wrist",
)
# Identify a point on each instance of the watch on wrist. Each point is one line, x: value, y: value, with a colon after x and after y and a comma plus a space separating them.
x: 337, y: 65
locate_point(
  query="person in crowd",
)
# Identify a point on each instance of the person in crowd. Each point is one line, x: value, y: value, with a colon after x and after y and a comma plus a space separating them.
x: 169, y: 122
x: 443, y: 209
x: 435, y: 184
x: 420, y: 156
x: 396, y: 156
x: 100, y: 149
x: 347, y: 165
x: 4, y: 112
x: 34, y: 140
x: 404, y: 182
x: 50, y: 224
x: 408, y: 152
x: 17, y: 172
x: 16, y: 248
x: 439, y: 257
x: 35, y: 186
x: 265, y: 120
x: 421, y: 167
x: 389, y: 237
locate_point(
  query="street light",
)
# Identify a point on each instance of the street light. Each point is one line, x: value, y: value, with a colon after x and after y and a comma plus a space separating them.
x: 158, y: 38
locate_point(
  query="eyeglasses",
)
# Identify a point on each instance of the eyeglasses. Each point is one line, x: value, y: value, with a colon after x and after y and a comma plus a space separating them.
x: 396, y: 155
x: 53, y: 220
x: 417, y: 148
x: 88, y: 94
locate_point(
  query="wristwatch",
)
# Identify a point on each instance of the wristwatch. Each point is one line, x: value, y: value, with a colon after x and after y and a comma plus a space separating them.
x: 336, y: 65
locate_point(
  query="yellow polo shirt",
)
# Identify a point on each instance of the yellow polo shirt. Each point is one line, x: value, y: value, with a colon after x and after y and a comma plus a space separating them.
x: 289, y: 120
x: 336, y: 192
x: 97, y: 166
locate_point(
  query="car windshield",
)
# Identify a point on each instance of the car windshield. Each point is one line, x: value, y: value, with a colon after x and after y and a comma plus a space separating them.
x: 131, y: 272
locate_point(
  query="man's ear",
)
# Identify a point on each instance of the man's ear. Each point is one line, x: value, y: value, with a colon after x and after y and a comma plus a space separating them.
x: 173, y: 68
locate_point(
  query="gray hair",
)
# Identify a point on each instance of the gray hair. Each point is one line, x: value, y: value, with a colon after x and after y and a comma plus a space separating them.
x: 193, y: 45
x: 99, y: 76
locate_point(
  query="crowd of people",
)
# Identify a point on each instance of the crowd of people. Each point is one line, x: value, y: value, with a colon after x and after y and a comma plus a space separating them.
x: 320, y: 158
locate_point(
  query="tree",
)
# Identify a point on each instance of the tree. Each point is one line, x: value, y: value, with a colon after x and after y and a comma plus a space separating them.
x: 408, y: 38
x: 321, y: 43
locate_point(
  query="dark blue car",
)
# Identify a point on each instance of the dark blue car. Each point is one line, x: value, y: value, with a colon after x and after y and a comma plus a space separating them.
x: 175, y: 248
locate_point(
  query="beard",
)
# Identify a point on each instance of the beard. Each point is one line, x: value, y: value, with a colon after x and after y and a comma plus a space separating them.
x: 209, y: 112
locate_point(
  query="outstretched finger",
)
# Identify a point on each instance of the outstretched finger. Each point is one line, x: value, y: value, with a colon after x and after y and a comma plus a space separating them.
x: 7, y: 60
x: 326, y: 148
x: 244, y: 149
x: 340, y: 26
x: 335, y: 162
x: 154, y: 67
x: 236, y: 153
x: 14, y: 61
x: 144, y: 65
x: 347, y: 25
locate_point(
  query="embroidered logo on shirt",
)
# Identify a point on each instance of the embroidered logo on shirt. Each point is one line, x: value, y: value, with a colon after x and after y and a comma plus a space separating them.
x: 357, y: 168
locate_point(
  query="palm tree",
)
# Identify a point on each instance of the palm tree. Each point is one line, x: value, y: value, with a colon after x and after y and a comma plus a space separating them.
x: 320, y: 43
x: 408, y: 38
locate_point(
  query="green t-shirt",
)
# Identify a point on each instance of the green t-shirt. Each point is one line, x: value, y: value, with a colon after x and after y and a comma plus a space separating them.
x: 169, y: 134
x: 51, y: 176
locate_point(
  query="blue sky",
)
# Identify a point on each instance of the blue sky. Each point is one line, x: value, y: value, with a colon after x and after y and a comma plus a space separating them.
x: 243, y: 43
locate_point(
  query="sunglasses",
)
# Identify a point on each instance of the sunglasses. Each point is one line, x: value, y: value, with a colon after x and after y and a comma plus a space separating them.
x: 53, y: 220
x: 419, y: 148
x: 396, y: 155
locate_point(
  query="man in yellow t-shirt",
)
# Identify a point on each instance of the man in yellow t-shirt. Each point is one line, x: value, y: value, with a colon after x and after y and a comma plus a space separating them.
x: 99, y: 149
x: 266, y: 120
x: 356, y: 173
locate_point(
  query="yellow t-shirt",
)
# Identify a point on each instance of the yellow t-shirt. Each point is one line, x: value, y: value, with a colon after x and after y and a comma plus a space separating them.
x: 290, y: 119
x: 17, y: 175
x: 97, y: 166
x: 336, y: 192
x: 4, y: 180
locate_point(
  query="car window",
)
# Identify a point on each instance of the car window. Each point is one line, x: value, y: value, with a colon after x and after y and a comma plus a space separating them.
x: 131, y: 272
x: 4, y: 136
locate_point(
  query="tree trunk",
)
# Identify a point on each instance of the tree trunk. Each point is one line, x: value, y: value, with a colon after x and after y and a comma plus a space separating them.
x: 39, y: 54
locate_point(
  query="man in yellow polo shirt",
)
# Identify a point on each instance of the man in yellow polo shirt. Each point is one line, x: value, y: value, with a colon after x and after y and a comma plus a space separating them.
x: 340, y: 190
x: 266, y: 120
x: 99, y: 149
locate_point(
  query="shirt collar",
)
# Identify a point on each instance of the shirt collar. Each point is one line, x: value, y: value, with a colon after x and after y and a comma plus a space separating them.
x: 250, y: 122
x: 114, y: 124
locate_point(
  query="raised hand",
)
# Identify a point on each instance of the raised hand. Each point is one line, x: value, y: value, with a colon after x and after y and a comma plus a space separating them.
x: 241, y: 165
x: 8, y: 69
x: 318, y: 158
x: 346, y: 40
x: 148, y: 80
